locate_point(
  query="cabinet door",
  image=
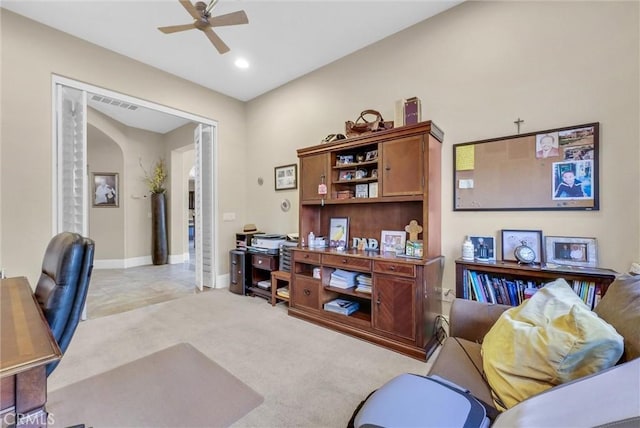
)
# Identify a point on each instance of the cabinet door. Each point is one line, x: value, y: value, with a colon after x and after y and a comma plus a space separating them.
x: 403, y: 166
x: 394, y: 306
x: 306, y: 292
x: 313, y: 172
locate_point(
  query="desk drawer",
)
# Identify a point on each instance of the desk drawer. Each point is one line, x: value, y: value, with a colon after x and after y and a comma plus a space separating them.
x: 399, y: 269
x: 348, y: 263
x: 306, y: 257
x: 261, y: 261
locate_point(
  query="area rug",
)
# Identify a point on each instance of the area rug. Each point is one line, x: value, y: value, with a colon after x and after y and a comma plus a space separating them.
x: 176, y: 387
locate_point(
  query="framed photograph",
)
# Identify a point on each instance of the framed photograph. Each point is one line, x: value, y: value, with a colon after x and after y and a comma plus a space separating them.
x: 106, y: 193
x: 347, y: 174
x: 484, y: 247
x: 286, y: 177
x: 392, y: 241
x: 371, y: 155
x: 344, y: 159
x: 513, y: 238
x: 338, y: 232
x: 573, y: 180
x: 571, y: 251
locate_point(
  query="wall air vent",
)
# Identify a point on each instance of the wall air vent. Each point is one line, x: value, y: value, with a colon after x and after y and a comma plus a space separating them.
x: 115, y: 103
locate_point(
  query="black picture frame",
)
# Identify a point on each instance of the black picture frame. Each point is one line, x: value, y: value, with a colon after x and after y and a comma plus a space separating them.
x: 105, y: 191
x: 525, y: 171
x: 286, y: 177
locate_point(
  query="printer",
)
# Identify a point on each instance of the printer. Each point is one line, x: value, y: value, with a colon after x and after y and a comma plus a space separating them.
x: 266, y: 243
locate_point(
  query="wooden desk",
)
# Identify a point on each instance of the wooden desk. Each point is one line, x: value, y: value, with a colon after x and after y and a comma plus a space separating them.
x: 27, y: 346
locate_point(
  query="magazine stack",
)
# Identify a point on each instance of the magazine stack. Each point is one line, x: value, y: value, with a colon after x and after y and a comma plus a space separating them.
x: 343, y: 279
x: 342, y: 306
x: 363, y: 283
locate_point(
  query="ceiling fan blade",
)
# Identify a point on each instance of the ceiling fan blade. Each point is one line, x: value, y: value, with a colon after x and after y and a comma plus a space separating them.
x: 190, y: 8
x: 217, y: 41
x: 233, y: 18
x: 175, y: 28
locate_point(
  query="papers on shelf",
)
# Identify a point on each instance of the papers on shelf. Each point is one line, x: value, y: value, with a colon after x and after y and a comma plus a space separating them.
x: 283, y: 292
x: 266, y: 284
x: 343, y: 279
x: 341, y: 306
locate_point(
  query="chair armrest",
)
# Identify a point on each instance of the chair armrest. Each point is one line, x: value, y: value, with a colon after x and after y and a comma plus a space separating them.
x: 471, y: 320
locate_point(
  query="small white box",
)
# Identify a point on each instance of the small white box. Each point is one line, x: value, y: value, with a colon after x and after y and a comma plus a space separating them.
x: 373, y: 189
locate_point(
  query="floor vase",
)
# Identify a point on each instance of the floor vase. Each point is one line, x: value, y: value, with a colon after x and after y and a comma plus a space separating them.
x: 159, y: 243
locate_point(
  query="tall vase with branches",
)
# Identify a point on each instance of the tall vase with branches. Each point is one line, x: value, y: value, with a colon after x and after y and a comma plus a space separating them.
x: 155, y: 182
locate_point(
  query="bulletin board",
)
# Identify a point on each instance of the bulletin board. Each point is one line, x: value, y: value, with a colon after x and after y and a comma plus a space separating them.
x: 555, y: 169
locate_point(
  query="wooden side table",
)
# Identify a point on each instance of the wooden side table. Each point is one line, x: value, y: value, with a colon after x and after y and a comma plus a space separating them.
x: 276, y: 276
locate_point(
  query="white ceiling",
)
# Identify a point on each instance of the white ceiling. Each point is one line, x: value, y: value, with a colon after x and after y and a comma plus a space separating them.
x: 283, y: 40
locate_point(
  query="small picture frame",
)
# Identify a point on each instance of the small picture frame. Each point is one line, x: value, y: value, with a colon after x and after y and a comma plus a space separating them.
x: 105, y: 191
x: 338, y: 232
x: 513, y: 238
x: 484, y: 247
x: 344, y: 159
x: 286, y: 177
x: 571, y: 251
x: 371, y: 155
x: 347, y: 174
x: 393, y: 241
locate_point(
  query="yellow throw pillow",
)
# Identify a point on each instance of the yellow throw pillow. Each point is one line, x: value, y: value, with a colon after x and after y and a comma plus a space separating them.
x: 549, y: 339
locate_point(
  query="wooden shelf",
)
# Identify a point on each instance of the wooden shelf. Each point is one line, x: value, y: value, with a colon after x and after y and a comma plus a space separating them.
x: 537, y: 274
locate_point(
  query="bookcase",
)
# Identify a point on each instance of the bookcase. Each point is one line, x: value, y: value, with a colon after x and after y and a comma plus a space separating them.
x: 510, y: 283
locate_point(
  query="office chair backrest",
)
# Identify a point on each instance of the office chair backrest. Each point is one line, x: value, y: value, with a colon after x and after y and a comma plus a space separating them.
x: 62, y: 288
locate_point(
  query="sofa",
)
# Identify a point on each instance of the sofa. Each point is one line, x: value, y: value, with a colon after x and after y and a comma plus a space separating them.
x: 609, y: 396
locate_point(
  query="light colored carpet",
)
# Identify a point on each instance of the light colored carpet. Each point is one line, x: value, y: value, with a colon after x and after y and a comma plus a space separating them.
x: 178, y: 386
x: 309, y: 376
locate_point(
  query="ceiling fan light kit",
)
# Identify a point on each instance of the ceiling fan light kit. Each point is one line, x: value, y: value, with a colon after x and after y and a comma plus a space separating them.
x: 204, y: 21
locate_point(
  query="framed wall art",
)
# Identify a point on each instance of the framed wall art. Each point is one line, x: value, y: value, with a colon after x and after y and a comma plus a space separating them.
x: 393, y: 241
x: 513, y: 238
x: 571, y: 251
x: 286, y: 177
x: 554, y: 169
x: 484, y: 247
x: 106, y: 193
x: 338, y: 232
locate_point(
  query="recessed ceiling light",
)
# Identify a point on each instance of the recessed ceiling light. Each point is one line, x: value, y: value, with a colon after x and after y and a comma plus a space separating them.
x: 242, y: 63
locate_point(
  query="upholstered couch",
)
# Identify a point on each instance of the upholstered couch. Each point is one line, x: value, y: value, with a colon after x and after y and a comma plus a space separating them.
x: 611, y: 395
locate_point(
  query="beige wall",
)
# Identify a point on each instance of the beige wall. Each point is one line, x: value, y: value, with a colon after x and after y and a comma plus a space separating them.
x: 477, y: 68
x: 106, y: 224
x: 31, y: 53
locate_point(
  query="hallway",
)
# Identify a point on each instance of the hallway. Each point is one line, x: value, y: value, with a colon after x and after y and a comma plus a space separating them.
x: 118, y: 290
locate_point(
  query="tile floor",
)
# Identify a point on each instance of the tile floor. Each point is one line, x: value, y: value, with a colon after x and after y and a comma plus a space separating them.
x: 113, y: 291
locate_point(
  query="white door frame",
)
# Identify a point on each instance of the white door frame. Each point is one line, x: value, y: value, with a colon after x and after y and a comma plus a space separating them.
x: 60, y: 80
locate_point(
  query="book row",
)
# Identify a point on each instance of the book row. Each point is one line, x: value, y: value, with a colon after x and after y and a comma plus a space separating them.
x: 503, y: 290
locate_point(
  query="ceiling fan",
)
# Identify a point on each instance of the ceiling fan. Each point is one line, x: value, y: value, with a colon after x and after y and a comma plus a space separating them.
x: 204, y: 21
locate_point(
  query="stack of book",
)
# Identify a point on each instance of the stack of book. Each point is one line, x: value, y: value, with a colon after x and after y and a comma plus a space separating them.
x: 343, y: 279
x: 363, y: 283
x: 283, y: 292
x: 265, y: 285
x: 341, y: 306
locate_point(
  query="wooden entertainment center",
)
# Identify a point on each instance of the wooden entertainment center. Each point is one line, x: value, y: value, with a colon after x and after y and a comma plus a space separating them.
x: 400, y: 169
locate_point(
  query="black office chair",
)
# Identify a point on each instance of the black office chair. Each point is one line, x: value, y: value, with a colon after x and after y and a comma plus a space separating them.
x: 62, y: 288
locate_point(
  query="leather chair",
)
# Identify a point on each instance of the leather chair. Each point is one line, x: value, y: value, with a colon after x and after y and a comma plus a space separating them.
x: 62, y: 288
